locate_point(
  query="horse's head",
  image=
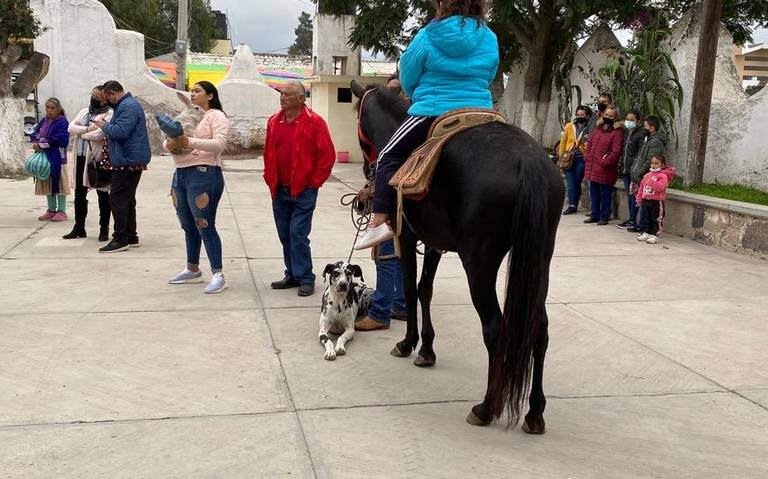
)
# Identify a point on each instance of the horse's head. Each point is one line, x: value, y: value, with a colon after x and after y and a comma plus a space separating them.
x: 380, y: 111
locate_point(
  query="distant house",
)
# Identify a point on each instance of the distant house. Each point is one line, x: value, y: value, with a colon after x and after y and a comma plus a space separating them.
x: 752, y: 65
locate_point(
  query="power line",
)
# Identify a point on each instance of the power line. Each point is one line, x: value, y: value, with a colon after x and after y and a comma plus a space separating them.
x: 136, y: 30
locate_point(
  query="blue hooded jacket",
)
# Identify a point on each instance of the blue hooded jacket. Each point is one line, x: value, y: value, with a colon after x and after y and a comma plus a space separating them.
x: 450, y: 64
x: 127, y: 134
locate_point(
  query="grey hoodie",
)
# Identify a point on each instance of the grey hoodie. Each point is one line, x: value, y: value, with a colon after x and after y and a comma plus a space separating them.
x: 654, y: 145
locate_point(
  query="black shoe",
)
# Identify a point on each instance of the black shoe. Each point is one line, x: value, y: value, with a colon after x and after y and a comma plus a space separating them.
x: 104, y: 234
x: 77, y: 232
x: 398, y: 315
x: 602, y: 222
x: 590, y: 220
x: 635, y: 229
x: 113, y: 247
x: 624, y: 225
x: 306, y: 290
x: 134, y: 242
x: 569, y: 211
x: 285, y: 283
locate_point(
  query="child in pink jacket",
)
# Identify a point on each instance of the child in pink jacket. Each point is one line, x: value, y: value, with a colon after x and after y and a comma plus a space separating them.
x: 651, y: 194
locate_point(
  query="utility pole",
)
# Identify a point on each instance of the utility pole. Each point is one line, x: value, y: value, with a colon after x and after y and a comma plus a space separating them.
x: 702, y: 92
x: 182, y: 42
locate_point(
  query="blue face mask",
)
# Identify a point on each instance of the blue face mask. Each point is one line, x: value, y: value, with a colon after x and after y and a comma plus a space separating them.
x: 630, y: 125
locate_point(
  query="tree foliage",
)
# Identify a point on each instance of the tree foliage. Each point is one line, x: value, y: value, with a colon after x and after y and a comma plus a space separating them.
x: 157, y: 20
x: 17, y: 22
x: 303, y: 43
x: 18, y: 26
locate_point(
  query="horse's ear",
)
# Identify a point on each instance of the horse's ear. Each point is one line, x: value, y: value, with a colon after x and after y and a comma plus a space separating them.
x: 358, y: 90
x: 183, y: 98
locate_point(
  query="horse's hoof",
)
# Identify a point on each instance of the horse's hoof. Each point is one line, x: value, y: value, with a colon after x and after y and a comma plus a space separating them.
x: 398, y: 353
x: 422, y: 362
x: 476, y: 421
x: 537, y: 428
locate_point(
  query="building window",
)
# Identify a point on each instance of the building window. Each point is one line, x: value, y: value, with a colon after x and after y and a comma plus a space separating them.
x: 340, y: 66
x: 344, y: 95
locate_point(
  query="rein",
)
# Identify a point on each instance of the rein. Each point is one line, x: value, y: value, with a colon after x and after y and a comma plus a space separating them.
x: 372, y: 154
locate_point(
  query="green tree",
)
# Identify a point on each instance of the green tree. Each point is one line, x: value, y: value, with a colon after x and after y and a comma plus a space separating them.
x: 18, y: 27
x: 157, y: 19
x: 303, y: 43
x: 542, y: 33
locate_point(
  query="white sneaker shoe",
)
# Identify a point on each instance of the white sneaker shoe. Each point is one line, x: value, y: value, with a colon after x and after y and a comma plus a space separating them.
x: 187, y: 277
x: 375, y: 236
x: 217, y: 284
x: 652, y: 239
x: 643, y: 237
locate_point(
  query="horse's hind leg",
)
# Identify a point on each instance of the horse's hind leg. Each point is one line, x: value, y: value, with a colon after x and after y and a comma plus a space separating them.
x: 534, y: 420
x: 404, y: 348
x: 427, y: 356
x: 482, y: 271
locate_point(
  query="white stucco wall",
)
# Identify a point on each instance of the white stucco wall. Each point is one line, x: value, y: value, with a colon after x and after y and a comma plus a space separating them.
x: 86, y: 49
x: 248, y: 101
x: 329, y: 39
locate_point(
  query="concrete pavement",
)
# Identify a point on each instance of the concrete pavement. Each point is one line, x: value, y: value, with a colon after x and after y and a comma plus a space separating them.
x: 657, y: 366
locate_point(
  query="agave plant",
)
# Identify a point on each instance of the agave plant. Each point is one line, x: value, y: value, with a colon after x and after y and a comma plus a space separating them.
x: 646, y: 78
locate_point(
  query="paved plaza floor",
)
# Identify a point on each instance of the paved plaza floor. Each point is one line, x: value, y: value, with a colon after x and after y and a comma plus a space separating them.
x: 657, y: 366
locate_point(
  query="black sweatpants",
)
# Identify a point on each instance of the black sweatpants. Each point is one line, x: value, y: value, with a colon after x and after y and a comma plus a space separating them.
x: 411, y: 135
x: 653, y: 210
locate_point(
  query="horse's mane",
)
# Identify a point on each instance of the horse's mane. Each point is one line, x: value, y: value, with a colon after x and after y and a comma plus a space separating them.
x: 389, y: 100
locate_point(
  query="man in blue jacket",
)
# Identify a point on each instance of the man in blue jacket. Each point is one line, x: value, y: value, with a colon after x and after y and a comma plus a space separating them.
x: 129, y: 154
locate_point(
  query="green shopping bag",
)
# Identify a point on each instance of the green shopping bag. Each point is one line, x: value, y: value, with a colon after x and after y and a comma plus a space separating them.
x: 38, y: 166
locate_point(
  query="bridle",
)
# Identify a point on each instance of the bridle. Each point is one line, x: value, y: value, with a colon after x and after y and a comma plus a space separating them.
x: 370, y: 152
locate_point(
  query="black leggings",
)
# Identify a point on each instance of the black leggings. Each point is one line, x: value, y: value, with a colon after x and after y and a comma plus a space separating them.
x: 81, y: 200
x: 653, y: 210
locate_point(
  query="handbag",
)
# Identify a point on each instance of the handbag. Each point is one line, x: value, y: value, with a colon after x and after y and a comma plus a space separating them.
x: 100, y: 171
x: 37, y: 166
x: 565, y: 161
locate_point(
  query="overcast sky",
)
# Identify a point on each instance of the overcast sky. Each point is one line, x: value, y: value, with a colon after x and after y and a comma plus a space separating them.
x: 267, y: 25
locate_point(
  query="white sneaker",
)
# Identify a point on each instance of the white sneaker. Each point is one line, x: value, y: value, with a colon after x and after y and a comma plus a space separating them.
x: 187, y: 277
x: 643, y: 237
x: 217, y: 284
x: 652, y: 239
x: 375, y: 236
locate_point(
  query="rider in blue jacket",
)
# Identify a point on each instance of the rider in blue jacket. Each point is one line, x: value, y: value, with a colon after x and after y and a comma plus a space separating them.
x: 450, y: 64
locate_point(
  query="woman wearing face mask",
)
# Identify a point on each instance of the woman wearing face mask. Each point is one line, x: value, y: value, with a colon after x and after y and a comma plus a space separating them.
x: 634, y: 136
x: 89, y: 146
x: 601, y: 167
x: 51, y: 137
x: 574, y: 136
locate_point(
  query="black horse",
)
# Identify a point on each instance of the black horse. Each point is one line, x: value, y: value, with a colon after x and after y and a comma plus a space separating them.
x: 495, y: 192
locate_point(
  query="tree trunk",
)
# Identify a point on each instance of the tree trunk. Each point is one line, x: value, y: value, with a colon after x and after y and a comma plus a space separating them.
x: 537, y: 83
x: 11, y: 137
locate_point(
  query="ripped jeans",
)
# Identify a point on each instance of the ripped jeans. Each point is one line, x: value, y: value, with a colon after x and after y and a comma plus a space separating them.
x: 196, y: 192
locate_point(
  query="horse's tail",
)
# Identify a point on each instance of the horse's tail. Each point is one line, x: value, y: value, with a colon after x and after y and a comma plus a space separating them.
x: 526, y: 289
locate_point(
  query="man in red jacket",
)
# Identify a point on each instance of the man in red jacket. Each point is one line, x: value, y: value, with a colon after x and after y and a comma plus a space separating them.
x: 298, y: 158
x: 602, y: 166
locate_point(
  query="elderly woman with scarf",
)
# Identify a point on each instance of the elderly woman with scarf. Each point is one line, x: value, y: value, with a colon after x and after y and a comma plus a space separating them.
x: 89, y: 146
x: 51, y: 136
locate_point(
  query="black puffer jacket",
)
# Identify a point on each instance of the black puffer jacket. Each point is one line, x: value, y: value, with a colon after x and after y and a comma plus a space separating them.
x: 633, y: 141
x: 654, y: 145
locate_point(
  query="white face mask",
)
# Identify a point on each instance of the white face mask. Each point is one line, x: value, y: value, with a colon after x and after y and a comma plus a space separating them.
x: 655, y: 170
x: 630, y: 125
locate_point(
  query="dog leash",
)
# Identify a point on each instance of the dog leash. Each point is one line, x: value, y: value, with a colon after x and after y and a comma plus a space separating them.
x: 361, y: 218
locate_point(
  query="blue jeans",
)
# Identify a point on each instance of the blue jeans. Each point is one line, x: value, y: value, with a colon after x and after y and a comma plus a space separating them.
x: 573, y: 179
x: 631, y: 203
x: 601, y: 197
x: 388, y: 296
x: 293, y: 218
x: 196, y: 192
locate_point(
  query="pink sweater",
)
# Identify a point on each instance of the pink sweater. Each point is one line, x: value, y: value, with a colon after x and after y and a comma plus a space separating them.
x: 209, y: 142
x: 654, y: 185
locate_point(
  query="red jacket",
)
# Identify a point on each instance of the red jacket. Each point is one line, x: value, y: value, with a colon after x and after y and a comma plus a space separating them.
x: 654, y: 185
x: 313, y: 155
x: 603, y: 154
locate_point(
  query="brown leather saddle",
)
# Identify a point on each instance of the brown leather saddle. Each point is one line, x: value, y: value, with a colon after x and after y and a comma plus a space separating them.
x: 413, y: 179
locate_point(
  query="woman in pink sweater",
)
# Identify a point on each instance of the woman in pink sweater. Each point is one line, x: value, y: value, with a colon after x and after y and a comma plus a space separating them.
x: 651, y: 194
x: 198, y: 185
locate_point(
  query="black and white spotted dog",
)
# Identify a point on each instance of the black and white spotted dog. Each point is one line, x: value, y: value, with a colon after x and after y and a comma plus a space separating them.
x: 343, y: 302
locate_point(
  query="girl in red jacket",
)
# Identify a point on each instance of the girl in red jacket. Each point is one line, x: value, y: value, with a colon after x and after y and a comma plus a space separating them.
x: 651, y: 194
